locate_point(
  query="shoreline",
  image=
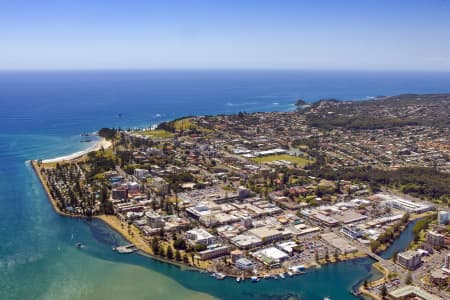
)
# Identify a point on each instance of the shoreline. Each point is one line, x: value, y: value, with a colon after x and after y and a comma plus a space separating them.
x: 102, y: 142
x: 114, y: 223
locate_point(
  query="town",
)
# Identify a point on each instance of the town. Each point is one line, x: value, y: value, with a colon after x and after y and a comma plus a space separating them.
x: 270, y: 195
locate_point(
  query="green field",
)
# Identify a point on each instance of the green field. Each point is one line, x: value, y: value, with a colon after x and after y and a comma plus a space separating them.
x: 293, y: 159
x: 157, y: 133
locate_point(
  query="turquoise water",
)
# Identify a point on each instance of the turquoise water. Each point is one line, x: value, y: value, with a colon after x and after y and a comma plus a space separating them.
x: 42, y: 115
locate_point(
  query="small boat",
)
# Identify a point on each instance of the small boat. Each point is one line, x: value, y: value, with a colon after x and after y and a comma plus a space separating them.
x: 326, y: 298
x: 238, y: 279
x: 220, y: 276
x: 79, y: 245
x: 254, y: 279
x: 127, y: 249
x: 85, y: 140
x: 282, y: 275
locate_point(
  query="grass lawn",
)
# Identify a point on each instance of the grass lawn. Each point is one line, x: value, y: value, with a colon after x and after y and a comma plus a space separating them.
x: 157, y: 133
x: 293, y: 159
x: 186, y: 124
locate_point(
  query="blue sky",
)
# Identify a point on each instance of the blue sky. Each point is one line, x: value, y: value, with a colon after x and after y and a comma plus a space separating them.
x: 131, y: 34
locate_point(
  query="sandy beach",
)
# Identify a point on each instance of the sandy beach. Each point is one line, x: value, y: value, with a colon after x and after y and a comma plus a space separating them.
x: 97, y: 146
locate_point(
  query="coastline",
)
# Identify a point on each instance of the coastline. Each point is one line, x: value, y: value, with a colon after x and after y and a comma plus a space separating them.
x: 102, y: 142
x: 143, y: 247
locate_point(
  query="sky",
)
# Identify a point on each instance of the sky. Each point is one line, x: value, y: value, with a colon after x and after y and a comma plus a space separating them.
x: 243, y: 34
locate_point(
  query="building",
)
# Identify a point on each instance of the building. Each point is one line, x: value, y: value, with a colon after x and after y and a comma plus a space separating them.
x: 246, y: 241
x: 412, y: 292
x: 201, y: 236
x: 447, y: 261
x: 435, y: 239
x: 244, y: 263
x: 343, y: 245
x: 403, y: 204
x: 443, y: 217
x: 271, y: 257
x: 267, y: 234
x: 247, y: 221
x: 214, y: 252
x: 154, y: 220
x: 120, y: 193
x: 140, y: 173
x: 409, y: 259
x: 235, y: 255
x: 352, y: 232
x: 438, y: 277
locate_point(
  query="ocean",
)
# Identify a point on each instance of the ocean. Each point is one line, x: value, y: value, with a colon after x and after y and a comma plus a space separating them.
x: 42, y: 115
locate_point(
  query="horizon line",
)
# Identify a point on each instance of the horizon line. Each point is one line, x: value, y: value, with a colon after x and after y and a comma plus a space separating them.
x: 113, y: 69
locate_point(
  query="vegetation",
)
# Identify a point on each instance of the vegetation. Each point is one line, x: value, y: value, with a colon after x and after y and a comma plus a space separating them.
x: 417, y: 181
x: 155, y: 133
x: 421, y: 225
x: 293, y: 159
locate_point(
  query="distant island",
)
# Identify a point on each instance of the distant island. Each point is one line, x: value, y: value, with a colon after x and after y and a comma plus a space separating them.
x: 270, y: 195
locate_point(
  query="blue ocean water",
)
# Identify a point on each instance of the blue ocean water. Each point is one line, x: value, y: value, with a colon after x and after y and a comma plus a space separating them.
x: 42, y: 115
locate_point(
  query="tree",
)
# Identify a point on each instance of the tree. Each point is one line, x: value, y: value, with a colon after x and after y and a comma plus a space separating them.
x: 180, y: 244
x: 383, y: 291
x: 169, y: 252
x: 199, y: 247
x: 162, y: 251
x: 177, y: 255
x: 155, y: 245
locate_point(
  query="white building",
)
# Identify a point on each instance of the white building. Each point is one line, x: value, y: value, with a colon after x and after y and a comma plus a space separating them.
x: 140, y: 173
x: 199, y: 235
x: 443, y: 217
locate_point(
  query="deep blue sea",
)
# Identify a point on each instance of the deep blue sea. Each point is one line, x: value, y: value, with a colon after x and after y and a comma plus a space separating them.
x: 42, y: 115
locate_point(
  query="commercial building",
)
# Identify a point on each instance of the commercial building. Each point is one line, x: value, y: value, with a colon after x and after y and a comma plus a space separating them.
x: 140, y: 173
x: 271, y: 257
x: 412, y: 292
x: 214, y: 252
x: 199, y: 235
x: 154, y: 220
x: 435, y: 238
x: 409, y: 259
x: 352, y: 232
x: 267, y: 234
x: 443, y: 217
x: 120, y: 193
x: 244, y: 263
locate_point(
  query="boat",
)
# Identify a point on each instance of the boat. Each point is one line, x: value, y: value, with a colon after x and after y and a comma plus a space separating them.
x: 85, y: 140
x: 127, y: 249
x: 254, y: 279
x: 282, y: 275
x: 238, y: 279
x: 290, y: 273
x: 220, y: 276
x: 326, y: 298
x: 79, y: 245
